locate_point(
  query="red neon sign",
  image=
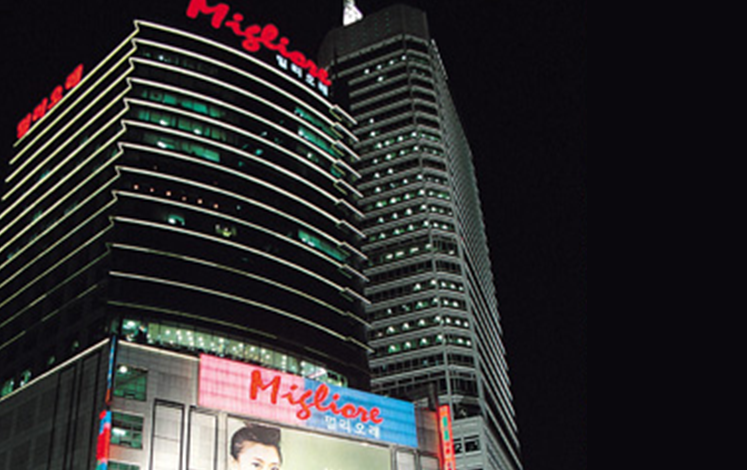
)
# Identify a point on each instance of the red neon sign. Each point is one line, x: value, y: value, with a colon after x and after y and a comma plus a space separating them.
x: 259, y: 392
x: 447, y: 439
x: 48, y: 103
x: 104, y: 438
x: 255, y: 36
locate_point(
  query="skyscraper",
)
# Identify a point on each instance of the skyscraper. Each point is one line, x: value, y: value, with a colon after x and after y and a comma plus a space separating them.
x: 186, y: 194
x: 434, y: 315
x: 180, y: 286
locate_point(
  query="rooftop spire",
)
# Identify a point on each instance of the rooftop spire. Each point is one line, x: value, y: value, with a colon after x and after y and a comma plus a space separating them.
x: 351, y: 13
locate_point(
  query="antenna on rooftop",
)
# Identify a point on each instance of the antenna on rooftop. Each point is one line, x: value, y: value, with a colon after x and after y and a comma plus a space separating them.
x: 350, y: 13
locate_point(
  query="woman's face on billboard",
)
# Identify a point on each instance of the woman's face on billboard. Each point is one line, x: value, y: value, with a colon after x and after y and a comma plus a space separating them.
x: 256, y: 456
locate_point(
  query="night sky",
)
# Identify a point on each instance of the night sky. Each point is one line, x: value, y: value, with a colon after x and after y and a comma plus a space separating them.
x: 517, y: 70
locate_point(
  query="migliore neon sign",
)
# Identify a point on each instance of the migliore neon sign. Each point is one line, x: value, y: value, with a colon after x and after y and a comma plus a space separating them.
x: 256, y: 36
x: 308, y: 400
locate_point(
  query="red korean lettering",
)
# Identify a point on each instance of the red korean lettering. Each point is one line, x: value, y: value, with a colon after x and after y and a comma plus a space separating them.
x: 74, y: 78
x: 40, y: 110
x: 23, y: 126
x: 55, y: 97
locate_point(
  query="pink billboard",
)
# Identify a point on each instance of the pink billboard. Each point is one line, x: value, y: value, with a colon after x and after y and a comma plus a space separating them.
x: 270, y: 395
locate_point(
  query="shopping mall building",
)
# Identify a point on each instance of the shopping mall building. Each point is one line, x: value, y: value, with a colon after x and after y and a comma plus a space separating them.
x: 193, y: 271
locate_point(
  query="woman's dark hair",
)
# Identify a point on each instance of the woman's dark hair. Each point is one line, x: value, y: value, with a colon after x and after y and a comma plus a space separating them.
x: 255, y: 433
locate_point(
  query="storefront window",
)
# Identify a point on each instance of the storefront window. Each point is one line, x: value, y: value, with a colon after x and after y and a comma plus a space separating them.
x: 127, y: 430
x: 130, y: 382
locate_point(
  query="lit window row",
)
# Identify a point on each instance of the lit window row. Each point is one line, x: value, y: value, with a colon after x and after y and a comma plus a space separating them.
x: 418, y: 363
x: 402, y: 229
x: 410, y: 248
x: 418, y: 305
x: 404, y: 197
x: 195, y: 340
x: 385, y: 64
x: 219, y: 134
x: 225, y: 229
x: 172, y: 99
x: 401, y: 138
x: 212, y: 71
x: 316, y: 122
x: 419, y: 209
x: 319, y: 244
x: 404, y: 182
x: 425, y: 322
x: 9, y: 384
x: 404, y: 151
x: 402, y: 167
x: 415, y: 288
x: 424, y: 342
x: 174, y: 121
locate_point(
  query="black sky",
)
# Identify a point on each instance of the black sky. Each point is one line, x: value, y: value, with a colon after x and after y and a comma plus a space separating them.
x: 517, y: 70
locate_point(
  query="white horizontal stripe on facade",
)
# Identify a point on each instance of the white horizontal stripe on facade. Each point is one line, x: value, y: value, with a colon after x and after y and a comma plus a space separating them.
x: 72, y: 138
x: 74, y: 92
x: 241, y: 91
x: 243, y: 300
x: 223, y: 241
x: 214, y: 166
x: 247, y: 274
x: 70, y: 195
x: 253, y: 202
x: 236, y: 220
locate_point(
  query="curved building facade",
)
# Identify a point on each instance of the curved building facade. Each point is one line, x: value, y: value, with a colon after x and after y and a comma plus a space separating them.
x: 191, y: 196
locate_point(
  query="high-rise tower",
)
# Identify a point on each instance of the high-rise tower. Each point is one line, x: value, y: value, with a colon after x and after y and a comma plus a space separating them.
x: 436, y: 329
x: 188, y: 195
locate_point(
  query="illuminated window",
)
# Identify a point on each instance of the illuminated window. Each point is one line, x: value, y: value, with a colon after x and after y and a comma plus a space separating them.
x: 177, y: 220
x: 227, y: 231
x: 130, y: 382
x: 25, y: 378
x: 127, y: 430
x: 122, y: 466
x: 317, y: 243
x: 7, y: 387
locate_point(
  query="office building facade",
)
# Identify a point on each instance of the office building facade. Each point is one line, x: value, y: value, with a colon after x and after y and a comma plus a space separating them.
x: 435, y: 322
x: 180, y: 278
x: 190, y: 195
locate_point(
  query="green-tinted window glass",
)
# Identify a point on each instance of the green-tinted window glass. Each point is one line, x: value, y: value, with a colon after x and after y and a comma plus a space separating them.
x: 122, y: 466
x: 130, y: 382
x: 127, y: 430
x: 327, y: 248
x: 7, y: 387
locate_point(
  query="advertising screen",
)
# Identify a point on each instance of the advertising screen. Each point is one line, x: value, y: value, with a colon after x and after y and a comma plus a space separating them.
x: 274, y: 396
x: 253, y: 445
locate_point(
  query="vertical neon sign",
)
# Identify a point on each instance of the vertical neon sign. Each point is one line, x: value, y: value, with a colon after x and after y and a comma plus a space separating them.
x: 102, y: 443
x: 105, y: 418
x: 447, y: 439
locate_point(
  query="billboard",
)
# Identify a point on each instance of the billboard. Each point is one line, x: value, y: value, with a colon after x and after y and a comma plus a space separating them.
x: 270, y: 395
x: 253, y: 445
x: 447, y: 438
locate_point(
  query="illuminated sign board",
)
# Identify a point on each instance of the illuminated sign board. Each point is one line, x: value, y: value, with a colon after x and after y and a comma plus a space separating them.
x: 254, y: 37
x: 103, y: 440
x: 447, y: 438
x: 48, y: 103
x: 284, y: 398
x: 255, y: 445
